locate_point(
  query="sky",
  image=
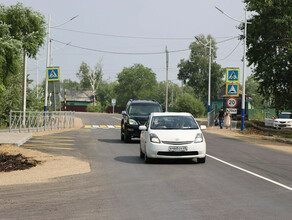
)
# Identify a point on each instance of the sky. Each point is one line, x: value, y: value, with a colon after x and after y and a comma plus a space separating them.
x: 136, y: 27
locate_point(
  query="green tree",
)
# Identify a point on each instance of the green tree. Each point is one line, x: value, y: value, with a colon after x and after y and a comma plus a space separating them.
x: 25, y: 25
x: 187, y: 103
x: 174, y: 91
x: 135, y: 82
x: 21, y: 28
x: 195, y: 71
x: 269, y: 49
x: 69, y: 84
x: 252, y: 87
x: 90, y: 78
x: 105, y: 93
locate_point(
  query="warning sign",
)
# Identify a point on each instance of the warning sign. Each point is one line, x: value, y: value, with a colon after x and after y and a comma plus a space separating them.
x: 232, y: 75
x: 232, y: 89
x: 53, y: 73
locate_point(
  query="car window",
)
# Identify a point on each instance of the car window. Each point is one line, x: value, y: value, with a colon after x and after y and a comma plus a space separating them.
x: 173, y: 122
x: 143, y: 109
x: 285, y: 116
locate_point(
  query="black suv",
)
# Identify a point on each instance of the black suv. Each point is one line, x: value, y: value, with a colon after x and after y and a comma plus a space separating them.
x: 136, y: 114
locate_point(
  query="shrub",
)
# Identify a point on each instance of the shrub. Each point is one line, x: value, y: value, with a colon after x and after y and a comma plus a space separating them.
x: 95, y: 108
x: 187, y: 103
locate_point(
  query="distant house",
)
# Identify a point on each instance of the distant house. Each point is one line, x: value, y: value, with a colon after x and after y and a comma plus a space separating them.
x: 76, y: 100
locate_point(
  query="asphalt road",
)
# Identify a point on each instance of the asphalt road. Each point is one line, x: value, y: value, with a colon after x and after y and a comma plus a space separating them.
x: 238, y: 181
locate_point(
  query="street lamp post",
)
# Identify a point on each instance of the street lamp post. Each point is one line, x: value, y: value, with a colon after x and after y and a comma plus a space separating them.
x: 210, y: 64
x: 244, y: 65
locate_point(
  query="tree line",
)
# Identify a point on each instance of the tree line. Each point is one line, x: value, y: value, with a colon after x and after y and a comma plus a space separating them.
x: 269, y: 52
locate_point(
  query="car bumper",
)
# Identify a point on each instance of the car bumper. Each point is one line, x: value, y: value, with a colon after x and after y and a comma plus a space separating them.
x: 280, y: 125
x: 194, y: 150
x: 133, y: 130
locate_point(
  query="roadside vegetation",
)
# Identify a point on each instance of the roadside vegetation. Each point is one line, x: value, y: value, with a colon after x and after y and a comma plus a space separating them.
x: 269, y: 52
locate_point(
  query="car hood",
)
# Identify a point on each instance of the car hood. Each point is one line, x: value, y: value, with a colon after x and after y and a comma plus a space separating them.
x: 140, y: 119
x: 177, y: 135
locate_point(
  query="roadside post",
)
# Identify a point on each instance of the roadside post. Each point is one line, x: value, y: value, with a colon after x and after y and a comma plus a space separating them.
x: 232, y: 90
x: 53, y: 78
x: 113, y: 104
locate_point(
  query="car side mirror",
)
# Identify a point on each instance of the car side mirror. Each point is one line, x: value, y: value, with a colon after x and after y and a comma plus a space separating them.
x: 142, y: 128
x: 203, y: 127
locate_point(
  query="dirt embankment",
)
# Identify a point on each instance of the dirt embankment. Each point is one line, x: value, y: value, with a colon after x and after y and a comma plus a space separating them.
x: 42, y: 167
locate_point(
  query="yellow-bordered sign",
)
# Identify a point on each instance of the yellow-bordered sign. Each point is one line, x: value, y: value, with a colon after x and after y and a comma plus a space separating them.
x: 53, y: 73
x: 232, y: 89
x: 232, y: 75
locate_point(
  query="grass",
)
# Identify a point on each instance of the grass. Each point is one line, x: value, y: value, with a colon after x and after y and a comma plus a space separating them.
x: 258, y: 127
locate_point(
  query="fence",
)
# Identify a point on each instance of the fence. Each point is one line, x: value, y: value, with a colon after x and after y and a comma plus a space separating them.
x: 40, y: 121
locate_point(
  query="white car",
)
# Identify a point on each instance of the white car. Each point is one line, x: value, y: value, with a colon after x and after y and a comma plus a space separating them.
x: 172, y: 135
x: 284, y: 120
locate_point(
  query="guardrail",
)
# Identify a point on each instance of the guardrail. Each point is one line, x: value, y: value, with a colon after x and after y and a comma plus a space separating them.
x: 40, y: 121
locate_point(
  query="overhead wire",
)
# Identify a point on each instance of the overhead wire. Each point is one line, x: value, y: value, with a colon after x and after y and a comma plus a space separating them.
x: 120, y: 53
x: 130, y: 37
x: 230, y: 52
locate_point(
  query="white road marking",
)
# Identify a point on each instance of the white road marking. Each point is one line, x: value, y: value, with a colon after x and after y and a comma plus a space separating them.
x: 252, y: 173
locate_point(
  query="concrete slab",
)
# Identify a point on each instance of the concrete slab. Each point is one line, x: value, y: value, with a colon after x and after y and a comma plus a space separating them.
x: 14, y: 138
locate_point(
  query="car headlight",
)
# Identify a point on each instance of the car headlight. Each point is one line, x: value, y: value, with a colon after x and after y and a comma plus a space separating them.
x: 154, y: 138
x: 132, y: 122
x: 199, y: 138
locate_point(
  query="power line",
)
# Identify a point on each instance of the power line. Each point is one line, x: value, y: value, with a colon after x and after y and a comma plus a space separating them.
x: 120, y: 53
x: 130, y: 37
x: 231, y: 52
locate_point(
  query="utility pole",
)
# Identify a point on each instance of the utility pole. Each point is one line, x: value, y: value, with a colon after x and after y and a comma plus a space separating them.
x: 209, y: 84
x: 48, y: 64
x: 37, y: 76
x: 166, y: 81
x: 243, y: 74
x: 24, y: 86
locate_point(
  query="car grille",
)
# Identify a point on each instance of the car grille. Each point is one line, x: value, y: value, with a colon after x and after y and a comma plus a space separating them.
x: 171, y: 153
x: 177, y: 142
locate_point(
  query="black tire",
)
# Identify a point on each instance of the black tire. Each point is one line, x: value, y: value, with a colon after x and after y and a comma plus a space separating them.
x: 127, y: 138
x: 201, y: 160
x: 142, y: 155
x: 122, y: 135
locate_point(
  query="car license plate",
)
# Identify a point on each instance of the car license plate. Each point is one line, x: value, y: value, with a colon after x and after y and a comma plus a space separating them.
x: 177, y: 148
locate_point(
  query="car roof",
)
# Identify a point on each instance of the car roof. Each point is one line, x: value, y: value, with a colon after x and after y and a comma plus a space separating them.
x: 143, y: 101
x: 171, y: 114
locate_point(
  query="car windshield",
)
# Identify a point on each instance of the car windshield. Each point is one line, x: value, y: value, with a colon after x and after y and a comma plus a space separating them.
x: 173, y: 122
x: 143, y: 109
x: 285, y: 115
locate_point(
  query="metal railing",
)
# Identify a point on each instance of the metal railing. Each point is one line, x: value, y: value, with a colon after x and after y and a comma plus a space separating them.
x: 40, y: 121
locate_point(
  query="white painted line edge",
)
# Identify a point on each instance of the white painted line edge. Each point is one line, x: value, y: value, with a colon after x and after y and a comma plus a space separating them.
x: 249, y: 172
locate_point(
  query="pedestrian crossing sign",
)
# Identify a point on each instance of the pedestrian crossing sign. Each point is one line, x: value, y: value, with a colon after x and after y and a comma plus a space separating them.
x: 53, y: 73
x: 232, y: 75
x: 232, y: 89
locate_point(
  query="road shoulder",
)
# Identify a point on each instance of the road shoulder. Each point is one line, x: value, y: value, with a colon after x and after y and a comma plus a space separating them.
x: 50, y: 166
x: 259, y: 140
